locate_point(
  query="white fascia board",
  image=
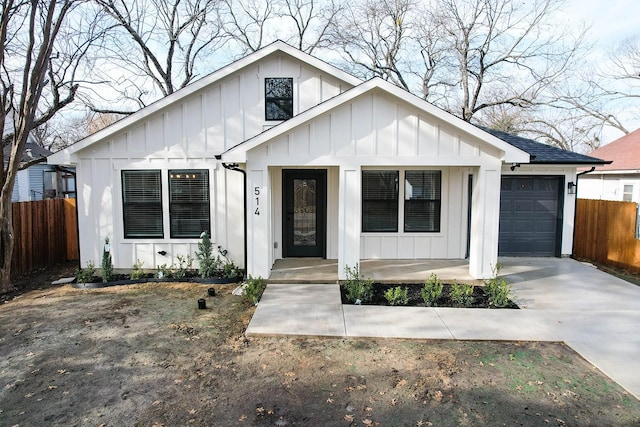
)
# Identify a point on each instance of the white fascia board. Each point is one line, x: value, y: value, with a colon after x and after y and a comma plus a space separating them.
x: 615, y: 172
x: 277, y: 46
x: 511, y: 154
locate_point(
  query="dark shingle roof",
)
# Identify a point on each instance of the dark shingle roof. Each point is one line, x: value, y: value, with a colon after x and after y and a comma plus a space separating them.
x: 542, y: 153
x: 37, y: 151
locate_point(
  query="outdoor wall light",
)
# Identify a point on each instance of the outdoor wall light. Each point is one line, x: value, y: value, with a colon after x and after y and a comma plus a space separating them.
x: 571, y: 187
x: 163, y: 253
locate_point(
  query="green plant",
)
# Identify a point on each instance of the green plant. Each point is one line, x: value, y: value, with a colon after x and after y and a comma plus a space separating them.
x: 397, y: 296
x: 498, y: 291
x: 185, y: 265
x: 432, y: 290
x: 208, y: 264
x: 136, y: 271
x: 462, y: 294
x: 230, y: 270
x: 254, y: 287
x: 357, y: 288
x: 106, y: 269
x: 85, y: 275
x: 163, y: 272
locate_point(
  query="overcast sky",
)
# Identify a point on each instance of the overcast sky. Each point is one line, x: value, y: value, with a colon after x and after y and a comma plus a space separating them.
x: 611, y: 20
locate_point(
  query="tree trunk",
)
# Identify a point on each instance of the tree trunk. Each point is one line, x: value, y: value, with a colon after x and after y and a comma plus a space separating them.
x: 6, y: 243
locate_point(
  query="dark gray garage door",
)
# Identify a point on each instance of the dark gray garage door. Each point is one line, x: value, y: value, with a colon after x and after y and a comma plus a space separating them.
x: 530, y: 216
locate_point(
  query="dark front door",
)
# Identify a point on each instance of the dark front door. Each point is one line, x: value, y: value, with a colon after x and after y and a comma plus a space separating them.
x: 304, y: 206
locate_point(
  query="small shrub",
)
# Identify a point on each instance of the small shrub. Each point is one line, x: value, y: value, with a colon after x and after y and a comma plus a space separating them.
x: 106, y: 269
x: 254, y: 288
x: 498, y: 291
x: 397, y: 296
x: 85, y: 275
x: 230, y: 270
x: 208, y: 264
x: 462, y: 294
x: 185, y: 266
x: 136, y: 271
x: 432, y: 290
x: 357, y: 288
x: 163, y: 272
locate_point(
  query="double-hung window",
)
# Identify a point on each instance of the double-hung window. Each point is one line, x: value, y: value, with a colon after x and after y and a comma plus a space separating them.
x: 422, y: 201
x: 189, y: 213
x: 421, y: 205
x: 142, y: 204
x: 379, y: 201
x: 278, y: 98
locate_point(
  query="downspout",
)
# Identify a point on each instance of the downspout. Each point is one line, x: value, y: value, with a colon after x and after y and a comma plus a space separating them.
x: 235, y: 167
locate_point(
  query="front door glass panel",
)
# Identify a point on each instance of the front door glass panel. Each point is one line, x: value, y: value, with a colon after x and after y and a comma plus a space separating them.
x: 304, y: 212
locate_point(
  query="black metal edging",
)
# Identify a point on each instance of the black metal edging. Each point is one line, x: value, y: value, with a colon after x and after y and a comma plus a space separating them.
x: 235, y: 167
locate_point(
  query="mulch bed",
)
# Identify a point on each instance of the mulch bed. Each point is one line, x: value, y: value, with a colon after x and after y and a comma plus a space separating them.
x: 415, y: 297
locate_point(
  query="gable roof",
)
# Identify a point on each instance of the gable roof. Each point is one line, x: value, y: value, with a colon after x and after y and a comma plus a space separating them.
x: 31, y: 151
x: 63, y: 156
x: 238, y: 153
x: 543, y: 154
x: 624, y: 153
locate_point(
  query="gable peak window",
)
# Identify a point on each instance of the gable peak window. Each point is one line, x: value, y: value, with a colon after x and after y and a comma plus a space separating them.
x: 278, y: 97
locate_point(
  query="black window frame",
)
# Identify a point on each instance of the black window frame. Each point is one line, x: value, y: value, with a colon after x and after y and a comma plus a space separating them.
x: 281, y: 103
x: 188, y: 204
x: 135, y: 203
x: 380, y: 205
x: 423, y: 209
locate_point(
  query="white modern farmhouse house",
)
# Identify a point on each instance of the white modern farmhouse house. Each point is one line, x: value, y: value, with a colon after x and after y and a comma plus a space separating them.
x: 282, y: 155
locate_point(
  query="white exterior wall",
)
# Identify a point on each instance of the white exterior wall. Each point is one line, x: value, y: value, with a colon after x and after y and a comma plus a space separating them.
x: 188, y: 134
x: 375, y: 131
x: 608, y: 186
x: 569, y: 202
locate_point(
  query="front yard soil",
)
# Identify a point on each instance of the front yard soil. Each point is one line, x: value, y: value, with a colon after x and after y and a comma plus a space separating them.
x: 146, y: 355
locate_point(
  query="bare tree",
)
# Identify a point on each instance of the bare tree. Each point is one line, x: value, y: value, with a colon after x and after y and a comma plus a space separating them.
x: 312, y: 21
x: 373, y: 36
x: 245, y: 22
x: 37, y: 74
x: 167, y: 43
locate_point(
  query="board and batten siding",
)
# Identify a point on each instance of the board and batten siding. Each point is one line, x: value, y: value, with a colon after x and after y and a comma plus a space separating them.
x: 186, y: 134
x: 376, y: 131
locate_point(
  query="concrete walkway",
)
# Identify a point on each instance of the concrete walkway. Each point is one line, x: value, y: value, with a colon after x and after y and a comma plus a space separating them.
x: 597, y: 314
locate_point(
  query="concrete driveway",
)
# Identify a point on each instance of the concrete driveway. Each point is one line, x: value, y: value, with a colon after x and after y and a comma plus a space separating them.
x: 597, y: 314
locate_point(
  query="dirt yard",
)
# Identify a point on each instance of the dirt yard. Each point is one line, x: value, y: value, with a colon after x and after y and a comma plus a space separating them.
x: 145, y: 355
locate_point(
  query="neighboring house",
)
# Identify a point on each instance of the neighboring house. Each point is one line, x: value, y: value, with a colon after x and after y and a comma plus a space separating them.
x: 619, y: 180
x: 41, y: 180
x: 335, y: 168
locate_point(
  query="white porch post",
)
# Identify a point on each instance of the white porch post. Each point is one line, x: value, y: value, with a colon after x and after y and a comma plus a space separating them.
x: 485, y: 214
x: 259, y: 231
x: 349, y: 219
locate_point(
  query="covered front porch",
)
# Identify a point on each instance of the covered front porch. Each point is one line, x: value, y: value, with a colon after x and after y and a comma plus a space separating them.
x: 317, y: 270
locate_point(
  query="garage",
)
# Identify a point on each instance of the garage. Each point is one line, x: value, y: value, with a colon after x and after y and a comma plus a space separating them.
x: 530, y: 215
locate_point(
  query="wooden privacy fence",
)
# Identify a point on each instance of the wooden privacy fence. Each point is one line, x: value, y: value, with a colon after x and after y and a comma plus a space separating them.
x: 45, y: 233
x: 605, y: 232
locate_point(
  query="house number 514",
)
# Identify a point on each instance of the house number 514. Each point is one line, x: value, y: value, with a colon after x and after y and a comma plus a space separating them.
x: 256, y: 192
